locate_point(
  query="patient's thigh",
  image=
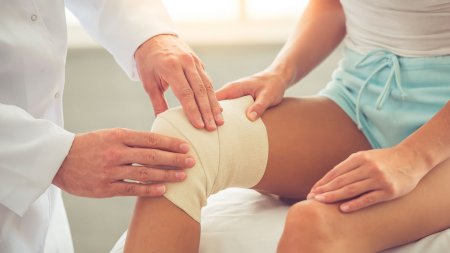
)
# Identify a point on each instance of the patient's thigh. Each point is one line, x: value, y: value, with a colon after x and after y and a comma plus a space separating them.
x: 307, y: 137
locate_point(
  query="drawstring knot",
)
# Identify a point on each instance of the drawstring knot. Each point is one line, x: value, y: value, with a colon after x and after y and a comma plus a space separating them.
x: 385, y: 59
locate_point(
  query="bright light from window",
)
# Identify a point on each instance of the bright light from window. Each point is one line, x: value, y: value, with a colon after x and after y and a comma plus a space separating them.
x: 274, y: 9
x: 203, y: 10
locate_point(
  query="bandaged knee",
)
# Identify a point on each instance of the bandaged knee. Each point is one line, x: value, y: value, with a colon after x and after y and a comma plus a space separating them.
x: 235, y: 155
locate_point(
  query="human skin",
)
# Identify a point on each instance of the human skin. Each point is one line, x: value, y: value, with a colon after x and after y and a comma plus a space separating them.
x: 99, y: 161
x: 297, y: 142
x: 295, y: 163
x: 166, y: 61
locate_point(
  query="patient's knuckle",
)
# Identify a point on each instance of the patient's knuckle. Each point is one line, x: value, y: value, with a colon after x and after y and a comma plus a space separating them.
x: 262, y: 102
x: 351, y: 189
x: 390, y: 188
x: 369, y: 200
x: 338, y: 182
x: 361, y: 155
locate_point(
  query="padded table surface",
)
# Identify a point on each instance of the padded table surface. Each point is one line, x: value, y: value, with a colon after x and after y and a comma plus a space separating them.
x: 245, y: 221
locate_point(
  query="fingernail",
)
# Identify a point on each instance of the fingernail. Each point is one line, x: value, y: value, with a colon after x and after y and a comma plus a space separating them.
x: 212, y: 123
x: 219, y: 117
x: 189, y: 161
x: 180, y: 174
x: 345, y: 208
x: 200, y: 124
x: 160, y: 188
x: 319, y: 197
x: 184, y: 148
x: 253, y: 115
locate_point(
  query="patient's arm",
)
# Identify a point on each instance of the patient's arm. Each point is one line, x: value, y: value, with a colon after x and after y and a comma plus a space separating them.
x: 306, y: 137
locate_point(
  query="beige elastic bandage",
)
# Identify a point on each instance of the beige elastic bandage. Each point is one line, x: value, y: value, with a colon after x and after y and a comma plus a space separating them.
x: 233, y: 156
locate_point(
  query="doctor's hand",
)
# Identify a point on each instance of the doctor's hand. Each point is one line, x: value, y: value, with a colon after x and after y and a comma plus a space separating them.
x: 370, y: 177
x: 98, y: 162
x: 267, y: 89
x: 164, y: 61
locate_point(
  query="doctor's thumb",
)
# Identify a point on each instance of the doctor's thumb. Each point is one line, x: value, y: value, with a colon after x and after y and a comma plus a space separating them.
x: 159, y: 103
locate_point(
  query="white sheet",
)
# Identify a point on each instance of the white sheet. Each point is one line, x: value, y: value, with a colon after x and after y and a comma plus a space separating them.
x: 239, y: 220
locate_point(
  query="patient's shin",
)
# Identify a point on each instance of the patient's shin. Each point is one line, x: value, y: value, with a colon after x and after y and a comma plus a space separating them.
x: 233, y: 156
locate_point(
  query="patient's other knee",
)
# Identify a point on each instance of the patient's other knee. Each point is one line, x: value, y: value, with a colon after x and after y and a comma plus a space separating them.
x: 312, y: 227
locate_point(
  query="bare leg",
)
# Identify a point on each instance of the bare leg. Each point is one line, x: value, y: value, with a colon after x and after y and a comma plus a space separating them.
x: 315, y: 227
x: 307, y: 137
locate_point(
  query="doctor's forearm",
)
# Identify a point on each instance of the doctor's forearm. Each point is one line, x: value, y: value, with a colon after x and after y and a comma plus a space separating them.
x: 318, y: 32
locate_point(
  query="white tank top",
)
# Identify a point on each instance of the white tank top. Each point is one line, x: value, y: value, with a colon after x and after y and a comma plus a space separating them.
x: 409, y: 28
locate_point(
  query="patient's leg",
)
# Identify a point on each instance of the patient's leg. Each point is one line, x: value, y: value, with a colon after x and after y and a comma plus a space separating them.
x: 315, y: 227
x: 306, y: 137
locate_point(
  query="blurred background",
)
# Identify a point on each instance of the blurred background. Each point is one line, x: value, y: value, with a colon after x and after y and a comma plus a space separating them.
x: 234, y: 38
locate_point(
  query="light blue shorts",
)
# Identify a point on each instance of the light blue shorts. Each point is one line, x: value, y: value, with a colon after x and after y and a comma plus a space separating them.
x: 389, y: 96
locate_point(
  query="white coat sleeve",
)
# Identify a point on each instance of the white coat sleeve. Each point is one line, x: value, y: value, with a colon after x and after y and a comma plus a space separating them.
x: 31, y: 152
x: 121, y: 26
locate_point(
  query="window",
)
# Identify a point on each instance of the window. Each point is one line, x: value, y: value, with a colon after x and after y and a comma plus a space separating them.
x: 221, y: 21
x: 234, y: 10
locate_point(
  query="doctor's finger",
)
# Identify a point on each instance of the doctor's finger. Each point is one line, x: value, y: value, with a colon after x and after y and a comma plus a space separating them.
x: 157, y: 98
x: 214, y: 103
x: 146, y: 174
x: 155, y: 157
x: 143, y: 139
x: 135, y: 189
x: 186, y: 96
x: 201, y: 97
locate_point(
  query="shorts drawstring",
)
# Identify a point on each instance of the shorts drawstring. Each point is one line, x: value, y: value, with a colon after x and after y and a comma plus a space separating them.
x: 390, y: 61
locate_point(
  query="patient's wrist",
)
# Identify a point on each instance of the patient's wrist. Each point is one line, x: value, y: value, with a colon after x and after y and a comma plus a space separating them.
x: 284, y: 72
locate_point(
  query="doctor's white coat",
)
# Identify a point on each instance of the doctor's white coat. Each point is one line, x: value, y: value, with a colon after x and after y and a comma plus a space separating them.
x: 33, y: 143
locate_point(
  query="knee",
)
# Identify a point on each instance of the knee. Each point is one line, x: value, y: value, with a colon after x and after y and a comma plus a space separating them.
x: 219, y: 155
x: 316, y: 219
x: 311, y: 227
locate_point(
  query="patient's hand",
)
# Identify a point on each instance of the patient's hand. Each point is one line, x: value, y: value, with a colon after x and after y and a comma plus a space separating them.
x: 370, y: 177
x: 98, y: 162
x: 164, y: 61
x: 267, y: 89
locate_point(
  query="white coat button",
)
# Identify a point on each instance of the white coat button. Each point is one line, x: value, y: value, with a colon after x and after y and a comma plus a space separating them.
x: 34, y: 17
x: 57, y: 95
